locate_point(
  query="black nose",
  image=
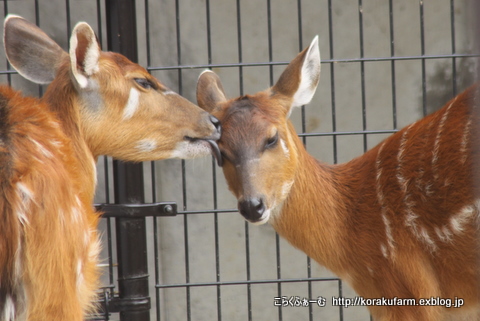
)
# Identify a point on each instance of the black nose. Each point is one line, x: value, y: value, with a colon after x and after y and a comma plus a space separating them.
x: 252, y: 209
x: 216, y: 123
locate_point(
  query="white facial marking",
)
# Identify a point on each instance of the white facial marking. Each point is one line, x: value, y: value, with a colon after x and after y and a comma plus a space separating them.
x: 169, y: 92
x: 285, y: 148
x: 286, y: 188
x: 190, y: 149
x: 146, y: 145
x: 132, y: 104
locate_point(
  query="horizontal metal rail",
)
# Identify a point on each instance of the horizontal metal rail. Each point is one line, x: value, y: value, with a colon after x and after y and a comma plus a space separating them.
x: 244, y: 282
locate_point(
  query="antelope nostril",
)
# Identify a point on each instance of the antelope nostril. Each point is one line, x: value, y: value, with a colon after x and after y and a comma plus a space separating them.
x: 252, y: 209
x: 258, y: 205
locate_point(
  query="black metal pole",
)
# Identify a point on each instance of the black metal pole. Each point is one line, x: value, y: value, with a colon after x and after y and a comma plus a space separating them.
x: 128, y: 185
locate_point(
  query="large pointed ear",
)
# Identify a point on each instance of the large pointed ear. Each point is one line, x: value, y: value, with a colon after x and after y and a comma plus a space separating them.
x: 210, y: 92
x: 30, y: 51
x: 300, y: 79
x: 84, y: 53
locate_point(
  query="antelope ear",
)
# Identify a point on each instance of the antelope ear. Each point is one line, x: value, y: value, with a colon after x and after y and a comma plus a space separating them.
x: 84, y: 53
x: 210, y: 92
x: 300, y: 79
x: 30, y: 51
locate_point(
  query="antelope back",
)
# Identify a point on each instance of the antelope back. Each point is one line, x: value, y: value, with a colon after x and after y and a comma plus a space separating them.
x: 258, y: 146
x: 114, y: 105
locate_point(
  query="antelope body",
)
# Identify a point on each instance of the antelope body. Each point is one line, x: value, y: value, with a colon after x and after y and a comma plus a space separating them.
x: 97, y: 103
x: 400, y: 221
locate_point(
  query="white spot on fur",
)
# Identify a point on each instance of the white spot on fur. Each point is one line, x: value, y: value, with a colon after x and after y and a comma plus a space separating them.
x: 401, y: 151
x: 80, y: 280
x: 436, y: 144
x: 443, y: 234
x: 76, y: 215
x: 26, y: 196
x: 146, y: 145
x: 132, y: 104
x: 94, y: 171
x: 410, y: 221
x: 56, y: 143
x: 42, y: 149
x: 285, y: 148
x: 94, y: 246
x: 370, y: 270
x: 458, y: 221
x: 9, y: 309
x: 388, y: 233
x: 383, y: 248
x: 169, y: 92
x: 425, y: 237
x: 24, y: 192
x: 464, y: 143
x: 378, y: 185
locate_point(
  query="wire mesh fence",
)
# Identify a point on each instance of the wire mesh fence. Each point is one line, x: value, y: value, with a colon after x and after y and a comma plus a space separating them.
x: 384, y: 65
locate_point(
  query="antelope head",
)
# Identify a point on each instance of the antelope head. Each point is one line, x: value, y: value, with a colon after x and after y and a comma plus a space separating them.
x: 114, y: 105
x: 258, y: 141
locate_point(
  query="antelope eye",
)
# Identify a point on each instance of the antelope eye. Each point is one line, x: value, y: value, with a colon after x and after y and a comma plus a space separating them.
x: 144, y: 83
x: 272, y: 141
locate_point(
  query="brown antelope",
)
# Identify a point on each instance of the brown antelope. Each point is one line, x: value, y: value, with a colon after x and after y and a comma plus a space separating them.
x: 97, y: 103
x: 401, y: 221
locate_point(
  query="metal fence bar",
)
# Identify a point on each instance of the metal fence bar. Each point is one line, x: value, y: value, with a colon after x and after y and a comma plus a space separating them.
x: 392, y: 64
x: 422, y: 48
x: 131, y: 232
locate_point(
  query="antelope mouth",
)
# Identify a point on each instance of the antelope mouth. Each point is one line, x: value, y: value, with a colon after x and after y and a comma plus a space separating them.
x: 215, y: 150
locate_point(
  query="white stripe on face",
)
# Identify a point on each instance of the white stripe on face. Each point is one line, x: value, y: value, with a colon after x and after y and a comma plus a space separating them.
x: 132, y: 104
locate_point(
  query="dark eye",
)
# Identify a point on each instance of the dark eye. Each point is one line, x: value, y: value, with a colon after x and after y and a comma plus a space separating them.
x: 143, y: 82
x: 272, y: 141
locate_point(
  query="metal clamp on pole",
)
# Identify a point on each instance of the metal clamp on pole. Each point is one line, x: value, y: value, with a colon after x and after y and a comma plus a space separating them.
x: 138, y: 210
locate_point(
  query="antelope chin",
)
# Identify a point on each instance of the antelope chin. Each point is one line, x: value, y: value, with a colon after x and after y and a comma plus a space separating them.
x: 264, y: 218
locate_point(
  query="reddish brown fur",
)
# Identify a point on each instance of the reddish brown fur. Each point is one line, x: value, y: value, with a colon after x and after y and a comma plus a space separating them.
x: 55, y: 182
x: 399, y: 221
x: 48, y: 150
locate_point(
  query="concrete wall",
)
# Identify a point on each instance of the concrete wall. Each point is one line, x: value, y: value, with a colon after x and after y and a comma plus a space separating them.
x: 196, y: 233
